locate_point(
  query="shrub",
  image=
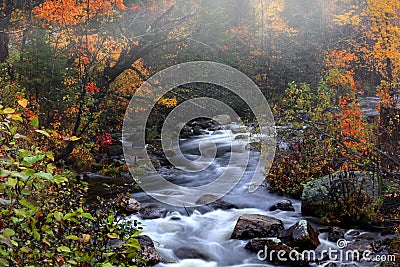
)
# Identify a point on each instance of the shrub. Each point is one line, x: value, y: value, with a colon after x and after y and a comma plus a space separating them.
x: 44, y: 218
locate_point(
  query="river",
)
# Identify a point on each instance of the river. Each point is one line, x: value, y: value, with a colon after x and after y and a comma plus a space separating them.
x: 200, y: 236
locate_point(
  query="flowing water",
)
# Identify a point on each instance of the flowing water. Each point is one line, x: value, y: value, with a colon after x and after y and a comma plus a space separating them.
x: 200, y: 236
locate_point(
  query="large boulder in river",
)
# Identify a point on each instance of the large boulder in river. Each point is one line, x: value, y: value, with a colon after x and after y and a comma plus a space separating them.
x: 255, y: 225
x: 95, y: 178
x: 190, y: 253
x: 215, y: 203
x: 147, y: 250
x: 222, y: 119
x: 268, y: 249
x: 152, y: 212
x: 318, y: 193
x: 285, y: 205
x: 301, y: 235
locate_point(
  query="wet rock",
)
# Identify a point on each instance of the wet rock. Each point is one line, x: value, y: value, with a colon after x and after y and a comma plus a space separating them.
x: 253, y: 146
x: 92, y: 178
x: 285, y: 205
x: 301, y: 235
x: 147, y: 250
x: 241, y: 136
x: 189, y: 253
x: 197, y: 130
x: 107, y: 186
x: 203, y: 124
x: 267, y: 249
x: 133, y: 205
x: 335, y: 233
x: 152, y: 212
x: 319, y: 192
x: 215, y: 203
x: 222, y: 119
x: 145, y: 240
x: 254, y: 225
x: 238, y: 129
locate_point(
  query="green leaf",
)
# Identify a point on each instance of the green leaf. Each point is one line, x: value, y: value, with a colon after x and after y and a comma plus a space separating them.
x: 50, y: 155
x: 107, y: 264
x: 8, y: 232
x: 25, y: 192
x: 29, y: 172
x: 11, y: 182
x: 68, y: 216
x: 36, y: 235
x: 8, y: 110
x: 43, y: 132
x: 26, y: 203
x: 58, y: 179
x: 58, y: 215
x: 4, y: 173
x: 25, y: 249
x: 87, y: 216
x: 15, y: 243
x: 63, y: 249
x: 44, y: 175
x: 29, y: 161
x: 35, y: 122
x: 73, y: 237
x: 50, y: 168
x: 110, y: 218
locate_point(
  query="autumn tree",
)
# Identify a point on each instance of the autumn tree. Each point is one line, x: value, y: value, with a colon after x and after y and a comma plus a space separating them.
x: 373, y: 33
x: 104, y: 39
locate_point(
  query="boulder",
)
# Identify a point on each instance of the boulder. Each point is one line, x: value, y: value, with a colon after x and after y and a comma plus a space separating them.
x: 152, y: 212
x: 107, y: 186
x: 95, y: 178
x: 268, y: 249
x: 335, y: 233
x: 339, y: 185
x: 285, y: 205
x: 301, y: 235
x: 253, y: 146
x: 241, y: 137
x: 238, y: 129
x: 133, y: 205
x: 254, y: 225
x: 222, y: 119
x: 189, y: 253
x: 147, y: 251
x: 215, y: 203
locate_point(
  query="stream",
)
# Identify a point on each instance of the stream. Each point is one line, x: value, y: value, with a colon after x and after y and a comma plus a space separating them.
x: 200, y: 236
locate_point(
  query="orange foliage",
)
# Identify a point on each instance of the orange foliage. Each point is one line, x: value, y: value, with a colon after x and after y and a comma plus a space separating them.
x: 72, y: 12
x: 352, y: 125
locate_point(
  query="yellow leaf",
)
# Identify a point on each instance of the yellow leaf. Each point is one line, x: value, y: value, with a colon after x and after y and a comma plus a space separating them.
x: 74, y: 138
x: 85, y: 238
x: 16, y: 117
x: 23, y: 102
x: 8, y: 110
x: 112, y: 235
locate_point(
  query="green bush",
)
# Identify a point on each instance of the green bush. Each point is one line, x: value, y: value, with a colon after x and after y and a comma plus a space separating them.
x: 44, y: 218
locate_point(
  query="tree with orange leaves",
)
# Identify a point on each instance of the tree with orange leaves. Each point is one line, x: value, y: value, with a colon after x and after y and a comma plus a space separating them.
x: 105, y: 39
